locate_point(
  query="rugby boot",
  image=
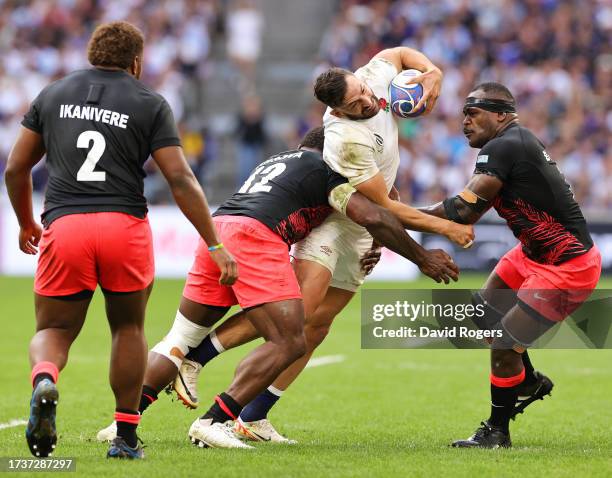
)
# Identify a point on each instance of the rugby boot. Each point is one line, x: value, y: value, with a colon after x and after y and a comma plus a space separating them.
x: 530, y: 393
x: 486, y: 436
x: 41, y: 434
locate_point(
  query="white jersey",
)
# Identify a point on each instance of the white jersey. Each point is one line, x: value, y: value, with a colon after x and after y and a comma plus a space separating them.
x: 359, y: 149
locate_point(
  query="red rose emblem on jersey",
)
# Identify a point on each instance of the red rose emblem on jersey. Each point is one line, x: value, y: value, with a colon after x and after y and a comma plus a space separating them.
x: 383, y: 104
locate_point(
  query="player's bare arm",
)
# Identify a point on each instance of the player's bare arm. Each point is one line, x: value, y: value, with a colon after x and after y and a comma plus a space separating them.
x: 388, y: 231
x: 375, y: 190
x: 372, y: 257
x: 394, y: 194
x: 406, y: 58
x: 190, y: 198
x: 469, y: 205
x: 26, y: 152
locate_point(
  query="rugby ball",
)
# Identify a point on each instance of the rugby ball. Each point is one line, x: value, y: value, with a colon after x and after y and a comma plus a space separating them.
x: 404, y: 96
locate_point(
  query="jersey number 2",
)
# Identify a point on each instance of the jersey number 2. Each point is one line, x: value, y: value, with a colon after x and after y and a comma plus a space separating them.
x: 268, y: 172
x: 87, y: 173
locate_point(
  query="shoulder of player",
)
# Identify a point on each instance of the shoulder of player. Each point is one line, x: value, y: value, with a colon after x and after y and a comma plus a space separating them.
x: 506, y: 143
x: 146, y: 91
x: 65, y: 81
x: 376, y: 66
x: 515, y: 140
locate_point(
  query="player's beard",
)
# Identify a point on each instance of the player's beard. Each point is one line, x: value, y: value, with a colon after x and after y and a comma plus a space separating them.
x: 367, y: 114
x: 476, y: 140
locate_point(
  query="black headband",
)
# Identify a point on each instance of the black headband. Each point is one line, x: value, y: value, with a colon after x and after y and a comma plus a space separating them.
x: 489, y: 104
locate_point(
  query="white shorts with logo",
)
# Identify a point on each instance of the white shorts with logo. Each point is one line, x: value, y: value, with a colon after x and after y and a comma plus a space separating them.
x: 338, y: 245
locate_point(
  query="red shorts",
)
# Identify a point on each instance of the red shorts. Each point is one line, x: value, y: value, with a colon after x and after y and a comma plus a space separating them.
x: 552, y: 291
x: 80, y: 251
x: 265, y: 273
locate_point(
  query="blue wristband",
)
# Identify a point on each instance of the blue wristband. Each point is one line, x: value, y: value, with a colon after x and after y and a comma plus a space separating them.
x: 216, y: 248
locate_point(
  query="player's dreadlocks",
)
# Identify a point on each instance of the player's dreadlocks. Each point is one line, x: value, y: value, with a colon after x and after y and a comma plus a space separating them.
x: 115, y: 44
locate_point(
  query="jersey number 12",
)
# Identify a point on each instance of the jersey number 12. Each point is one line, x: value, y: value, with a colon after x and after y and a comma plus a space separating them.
x: 87, y: 173
x: 268, y: 172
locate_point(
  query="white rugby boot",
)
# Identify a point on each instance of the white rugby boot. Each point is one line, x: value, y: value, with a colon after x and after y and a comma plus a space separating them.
x: 260, y: 430
x: 186, y: 383
x: 206, y: 434
x: 107, y: 434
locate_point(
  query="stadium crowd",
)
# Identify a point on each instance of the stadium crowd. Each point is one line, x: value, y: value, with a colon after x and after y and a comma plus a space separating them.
x: 555, y: 55
x: 42, y: 40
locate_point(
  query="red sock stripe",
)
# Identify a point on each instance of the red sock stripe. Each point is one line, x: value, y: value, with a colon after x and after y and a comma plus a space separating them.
x: 224, y: 407
x: 127, y: 417
x: 505, y: 382
x: 151, y: 399
x: 45, y: 367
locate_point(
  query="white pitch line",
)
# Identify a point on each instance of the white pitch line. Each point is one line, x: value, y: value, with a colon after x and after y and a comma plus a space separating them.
x: 325, y: 360
x: 13, y: 423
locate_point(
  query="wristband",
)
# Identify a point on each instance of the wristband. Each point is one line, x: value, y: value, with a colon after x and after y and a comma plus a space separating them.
x: 216, y: 248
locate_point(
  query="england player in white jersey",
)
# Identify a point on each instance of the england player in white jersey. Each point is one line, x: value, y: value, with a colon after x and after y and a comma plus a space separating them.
x: 361, y: 143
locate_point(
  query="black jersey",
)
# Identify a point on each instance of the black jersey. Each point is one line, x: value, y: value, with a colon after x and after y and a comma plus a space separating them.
x: 288, y: 193
x: 99, y: 127
x: 535, y: 200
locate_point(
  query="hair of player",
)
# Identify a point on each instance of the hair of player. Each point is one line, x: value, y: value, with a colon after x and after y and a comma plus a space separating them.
x: 314, y: 138
x: 330, y: 86
x: 496, y: 90
x: 115, y: 44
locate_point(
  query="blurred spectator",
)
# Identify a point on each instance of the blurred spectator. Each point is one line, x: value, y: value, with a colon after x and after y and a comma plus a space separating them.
x: 555, y: 56
x: 244, y: 31
x: 42, y: 40
x: 250, y: 132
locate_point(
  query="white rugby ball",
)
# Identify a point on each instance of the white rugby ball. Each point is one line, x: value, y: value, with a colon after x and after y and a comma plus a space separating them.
x: 404, y: 96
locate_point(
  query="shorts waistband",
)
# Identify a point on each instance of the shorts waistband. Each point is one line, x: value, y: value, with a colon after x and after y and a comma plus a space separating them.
x: 592, y: 253
x: 240, y: 220
x: 249, y: 222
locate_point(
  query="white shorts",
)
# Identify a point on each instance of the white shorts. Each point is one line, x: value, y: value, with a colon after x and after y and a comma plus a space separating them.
x: 338, y: 245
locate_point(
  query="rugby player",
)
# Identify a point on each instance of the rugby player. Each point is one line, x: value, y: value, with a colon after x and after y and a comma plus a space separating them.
x: 552, y: 270
x: 97, y: 127
x: 361, y: 144
x: 282, y: 201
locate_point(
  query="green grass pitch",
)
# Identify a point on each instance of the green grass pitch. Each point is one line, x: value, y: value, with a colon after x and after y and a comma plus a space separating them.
x: 377, y: 413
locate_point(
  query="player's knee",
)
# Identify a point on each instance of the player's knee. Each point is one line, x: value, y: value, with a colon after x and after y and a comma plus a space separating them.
x: 489, y: 318
x: 293, y: 347
x: 183, y: 335
x: 315, y: 335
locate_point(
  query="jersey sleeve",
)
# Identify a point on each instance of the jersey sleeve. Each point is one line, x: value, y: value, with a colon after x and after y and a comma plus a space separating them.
x: 339, y: 190
x: 349, y: 152
x: 32, y: 119
x: 496, y: 159
x: 334, y: 179
x: 339, y: 197
x: 164, y: 132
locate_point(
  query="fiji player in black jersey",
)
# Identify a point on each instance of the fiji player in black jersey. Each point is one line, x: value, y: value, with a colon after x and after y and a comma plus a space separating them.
x: 97, y: 127
x: 281, y: 202
x: 552, y: 270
